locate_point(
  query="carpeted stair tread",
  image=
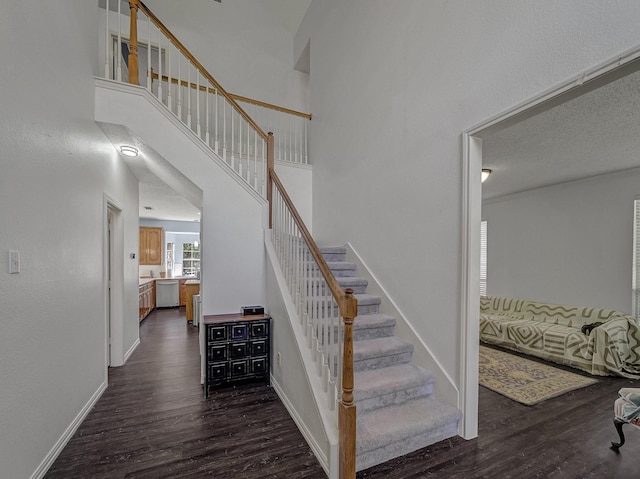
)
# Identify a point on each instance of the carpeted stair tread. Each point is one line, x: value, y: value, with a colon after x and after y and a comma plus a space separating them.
x: 373, y: 321
x: 367, y: 299
x: 397, y: 430
x: 342, y: 268
x: 359, y: 285
x: 333, y: 250
x: 379, y: 382
x: 381, y: 348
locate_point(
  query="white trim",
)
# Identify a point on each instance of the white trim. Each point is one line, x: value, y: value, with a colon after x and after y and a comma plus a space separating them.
x: 153, y: 101
x: 422, y: 355
x: 470, y: 287
x: 575, y: 85
x: 117, y: 282
x: 68, y: 434
x: 599, y: 75
x: 133, y: 347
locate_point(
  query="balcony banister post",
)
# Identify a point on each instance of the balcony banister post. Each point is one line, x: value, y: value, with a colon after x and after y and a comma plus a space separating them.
x: 270, y: 167
x: 347, y: 407
x: 133, y: 42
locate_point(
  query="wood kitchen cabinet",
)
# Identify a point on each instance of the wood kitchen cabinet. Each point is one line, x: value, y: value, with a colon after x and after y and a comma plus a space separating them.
x: 191, y: 287
x: 146, y: 299
x: 183, y: 292
x: 151, y: 245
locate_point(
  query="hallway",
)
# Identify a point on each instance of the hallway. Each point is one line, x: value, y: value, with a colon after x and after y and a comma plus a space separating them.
x: 153, y: 422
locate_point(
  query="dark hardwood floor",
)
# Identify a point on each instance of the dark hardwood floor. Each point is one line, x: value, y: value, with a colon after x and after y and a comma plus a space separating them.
x: 152, y: 422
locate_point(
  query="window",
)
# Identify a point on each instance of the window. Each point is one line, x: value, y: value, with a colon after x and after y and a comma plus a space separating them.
x: 190, y: 259
x: 483, y: 258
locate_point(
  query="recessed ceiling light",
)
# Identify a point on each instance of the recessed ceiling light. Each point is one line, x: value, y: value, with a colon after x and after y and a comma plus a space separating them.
x: 127, y: 150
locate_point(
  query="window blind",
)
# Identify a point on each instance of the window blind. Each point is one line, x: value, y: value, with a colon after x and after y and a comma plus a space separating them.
x: 483, y: 258
x: 636, y: 260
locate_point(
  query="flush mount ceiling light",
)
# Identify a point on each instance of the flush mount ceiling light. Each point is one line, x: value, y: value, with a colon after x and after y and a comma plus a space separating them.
x: 485, y: 174
x: 127, y: 150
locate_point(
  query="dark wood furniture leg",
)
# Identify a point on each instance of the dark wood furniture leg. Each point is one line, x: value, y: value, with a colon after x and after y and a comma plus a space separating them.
x: 618, y: 424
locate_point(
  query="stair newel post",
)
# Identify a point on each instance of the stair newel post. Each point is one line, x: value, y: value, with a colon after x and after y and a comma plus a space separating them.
x: 347, y: 407
x: 133, y: 42
x: 270, y: 167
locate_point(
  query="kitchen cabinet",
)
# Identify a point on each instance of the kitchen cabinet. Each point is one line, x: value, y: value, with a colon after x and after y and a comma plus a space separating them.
x: 237, y: 348
x: 191, y: 287
x: 146, y: 299
x: 151, y: 245
x: 183, y: 292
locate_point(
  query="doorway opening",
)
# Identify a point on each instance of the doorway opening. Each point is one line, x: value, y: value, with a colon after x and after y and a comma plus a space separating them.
x: 114, y: 283
x: 619, y: 67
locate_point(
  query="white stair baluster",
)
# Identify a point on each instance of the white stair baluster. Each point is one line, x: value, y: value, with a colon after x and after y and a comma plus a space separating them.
x: 240, y: 119
x: 233, y: 164
x: 160, y: 65
x: 215, y: 127
x: 306, y: 144
x: 255, y: 159
x: 118, y: 51
x: 149, y: 79
x: 189, y: 94
x: 207, y: 99
x: 169, y: 77
x: 224, y: 129
x: 107, y: 45
x: 248, y: 165
x: 179, y: 112
x: 198, y: 127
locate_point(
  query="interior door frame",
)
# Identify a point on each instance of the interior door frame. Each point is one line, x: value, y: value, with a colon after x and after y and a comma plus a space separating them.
x: 113, y: 254
x: 602, y: 74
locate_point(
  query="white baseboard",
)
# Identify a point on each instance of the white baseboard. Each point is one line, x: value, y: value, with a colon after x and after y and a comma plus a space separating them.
x: 131, y: 350
x: 68, y: 433
x: 317, y: 450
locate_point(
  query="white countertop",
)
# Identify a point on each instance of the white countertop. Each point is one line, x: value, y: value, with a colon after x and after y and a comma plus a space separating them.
x: 146, y: 280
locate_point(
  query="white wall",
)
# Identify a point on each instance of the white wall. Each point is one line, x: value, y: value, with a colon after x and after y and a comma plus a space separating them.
x: 232, y: 255
x: 393, y: 85
x: 56, y: 167
x: 244, y: 44
x: 568, y: 244
x: 293, y: 384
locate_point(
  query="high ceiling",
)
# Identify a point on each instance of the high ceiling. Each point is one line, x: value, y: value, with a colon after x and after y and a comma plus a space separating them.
x: 590, y: 135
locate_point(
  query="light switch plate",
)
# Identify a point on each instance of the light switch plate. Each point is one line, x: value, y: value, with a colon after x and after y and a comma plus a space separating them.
x: 14, y: 261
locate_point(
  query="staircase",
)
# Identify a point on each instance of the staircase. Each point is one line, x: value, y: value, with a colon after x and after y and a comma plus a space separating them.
x: 397, y: 413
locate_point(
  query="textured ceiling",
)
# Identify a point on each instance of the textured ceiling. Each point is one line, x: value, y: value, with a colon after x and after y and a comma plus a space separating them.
x: 590, y: 135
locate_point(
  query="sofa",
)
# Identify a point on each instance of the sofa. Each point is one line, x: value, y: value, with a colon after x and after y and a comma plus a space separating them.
x: 599, y: 341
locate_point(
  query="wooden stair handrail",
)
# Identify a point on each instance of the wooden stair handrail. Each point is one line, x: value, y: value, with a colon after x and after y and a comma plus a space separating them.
x: 335, y: 288
x: 348, y: 306
x: 347, y: 303
x: 174, y: 81
x: 156, y: 21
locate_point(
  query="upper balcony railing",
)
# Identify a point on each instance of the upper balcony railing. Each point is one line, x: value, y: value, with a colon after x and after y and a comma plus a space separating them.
x: 137, y: 48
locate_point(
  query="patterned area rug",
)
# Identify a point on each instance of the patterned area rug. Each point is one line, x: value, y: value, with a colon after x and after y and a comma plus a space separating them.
x: 523, y: 380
